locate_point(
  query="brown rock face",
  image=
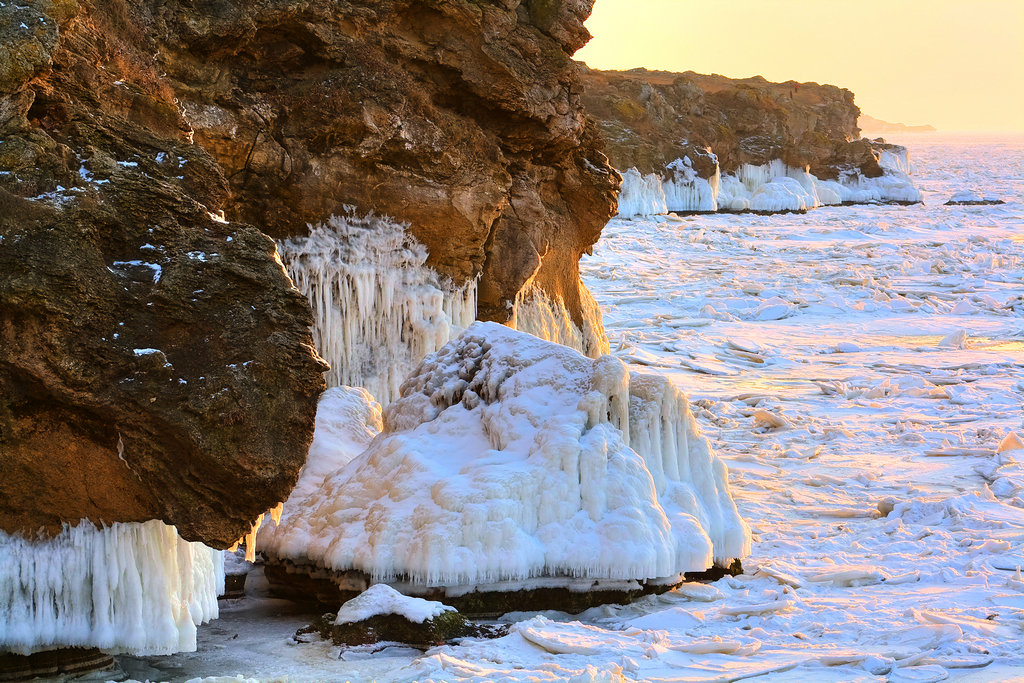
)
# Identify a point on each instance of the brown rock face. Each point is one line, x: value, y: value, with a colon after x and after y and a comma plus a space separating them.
x: 651, y: 118
x: 154, y: 361
x: 461, y: 117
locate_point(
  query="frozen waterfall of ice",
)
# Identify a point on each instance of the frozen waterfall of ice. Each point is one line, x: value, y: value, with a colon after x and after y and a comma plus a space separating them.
x: 768, y: 188
x: 537, y: 313
x: 510, y: 458
x: 641, y: 195
x: 378, y: 308
x: 688, y: 192
x: 131, y: 587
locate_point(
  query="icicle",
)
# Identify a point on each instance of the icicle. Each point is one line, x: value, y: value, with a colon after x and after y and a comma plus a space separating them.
x: 536, y: 313
x: 275, y: 513
x: 378, y: 308
x: 641, y: 195
x: 250, y: 540
x: 135, y: 588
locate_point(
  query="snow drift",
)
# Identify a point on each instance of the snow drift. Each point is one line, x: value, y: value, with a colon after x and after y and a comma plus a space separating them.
x: 135, y: 588
x: 378, y: 308
x: 509, y: 458
x: 769, y: 188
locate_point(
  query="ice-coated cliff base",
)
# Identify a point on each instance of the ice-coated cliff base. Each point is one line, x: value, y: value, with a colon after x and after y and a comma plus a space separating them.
x: 513, y: 464
x: 378, y: 308
x: 771, y: 188
x: 132, y: 587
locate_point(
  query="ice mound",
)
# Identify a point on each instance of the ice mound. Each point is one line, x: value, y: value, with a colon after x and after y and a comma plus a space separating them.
x: 510, y: 458
x: 135, y: 588
x: 380, y: 599
x: 378, y: 308
x: 971, y: 198
x: 347, y: 419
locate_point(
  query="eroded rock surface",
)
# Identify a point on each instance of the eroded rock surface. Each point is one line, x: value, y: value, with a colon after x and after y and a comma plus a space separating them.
x: 154, y: 360
x: 460, y: 117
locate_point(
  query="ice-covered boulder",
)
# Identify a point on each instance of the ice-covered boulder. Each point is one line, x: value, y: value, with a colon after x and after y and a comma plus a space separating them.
x: 380, y: 613
x: 971, y: 198
x: 511, y: 463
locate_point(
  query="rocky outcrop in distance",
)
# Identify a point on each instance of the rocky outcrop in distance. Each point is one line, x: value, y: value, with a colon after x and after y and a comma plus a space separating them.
x: 154, y: 360
x: 696, y: 144
x: 651, y: 118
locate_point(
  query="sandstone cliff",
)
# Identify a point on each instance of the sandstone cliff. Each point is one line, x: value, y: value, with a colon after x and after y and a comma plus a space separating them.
x: 154, y: 361
x: 460, y: 117
x: 651, y: 118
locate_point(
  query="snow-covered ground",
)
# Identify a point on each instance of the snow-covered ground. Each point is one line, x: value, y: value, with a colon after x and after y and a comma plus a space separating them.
x: 825, y: 356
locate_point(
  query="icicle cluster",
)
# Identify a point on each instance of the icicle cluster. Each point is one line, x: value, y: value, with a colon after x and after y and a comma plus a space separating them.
x: 135, y: 588
x: 772, y: 187
x: 509, y: 458
x: 536, y: 313
x: 378, y: 308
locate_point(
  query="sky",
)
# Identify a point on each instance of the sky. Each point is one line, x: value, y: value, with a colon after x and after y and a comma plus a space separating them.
x: 954, y: 65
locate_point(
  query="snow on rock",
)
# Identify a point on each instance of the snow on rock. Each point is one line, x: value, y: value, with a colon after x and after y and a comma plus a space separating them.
x: 129, y: 587
x: 536, y: 313
x: 641, y: 195
x: 380, y: 599
x: 378, y: 308
x: 971, y: 198
x: 510, y: 458
x: 347, y: 419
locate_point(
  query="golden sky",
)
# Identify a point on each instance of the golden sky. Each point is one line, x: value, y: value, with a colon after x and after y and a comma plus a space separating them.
x: 956, y: 65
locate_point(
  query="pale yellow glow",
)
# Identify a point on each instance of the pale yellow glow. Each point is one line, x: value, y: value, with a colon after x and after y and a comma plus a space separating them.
x: 955, y: 65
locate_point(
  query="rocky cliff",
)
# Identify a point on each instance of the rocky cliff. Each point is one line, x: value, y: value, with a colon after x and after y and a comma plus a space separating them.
x: 154, y: 361
x: 651, y: 118
x: 460, y: 117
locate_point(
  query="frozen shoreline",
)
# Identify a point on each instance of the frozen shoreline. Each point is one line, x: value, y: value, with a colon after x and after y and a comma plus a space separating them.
x: 830, y: 321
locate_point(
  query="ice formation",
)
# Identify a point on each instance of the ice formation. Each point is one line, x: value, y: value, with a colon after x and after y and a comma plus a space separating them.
x: 380, y: 599
x: 769, y: 188
x: 536, y: 313
x: 510, y: 458
x: 135, y: 588
x: 347, y: 418
x: 686, y: 191
x: 641, y: 195
x: 378, y: 308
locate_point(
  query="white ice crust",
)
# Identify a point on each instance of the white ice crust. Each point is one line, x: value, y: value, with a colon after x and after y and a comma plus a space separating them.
x: 381, y: 599
x: 378, y: 308
x: 508, y: 458
x: 772, y: 187
x: 347, y: 419
x: 135, y: 588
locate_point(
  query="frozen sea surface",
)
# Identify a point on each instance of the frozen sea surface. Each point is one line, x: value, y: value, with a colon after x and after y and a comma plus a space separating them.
x: 858, y: 368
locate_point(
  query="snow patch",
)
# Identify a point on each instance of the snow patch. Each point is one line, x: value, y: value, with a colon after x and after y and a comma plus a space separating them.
x: 380, y: 599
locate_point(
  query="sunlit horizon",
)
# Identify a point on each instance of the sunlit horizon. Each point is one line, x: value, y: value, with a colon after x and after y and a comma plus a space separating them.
x: 959, y: 69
